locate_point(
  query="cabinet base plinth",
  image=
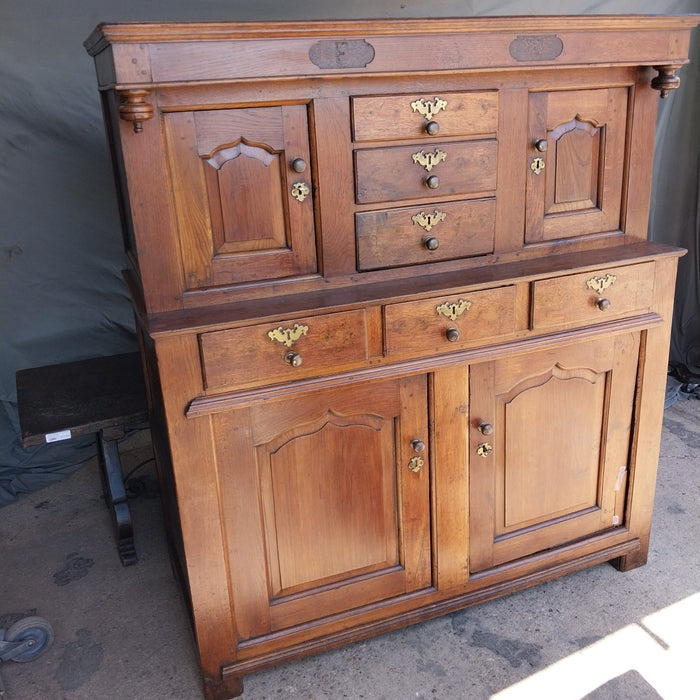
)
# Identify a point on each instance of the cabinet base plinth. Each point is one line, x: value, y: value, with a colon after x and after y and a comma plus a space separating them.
x: 222, y: 688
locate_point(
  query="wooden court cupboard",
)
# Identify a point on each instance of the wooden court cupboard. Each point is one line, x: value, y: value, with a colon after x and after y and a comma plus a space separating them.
x: 404, y: 335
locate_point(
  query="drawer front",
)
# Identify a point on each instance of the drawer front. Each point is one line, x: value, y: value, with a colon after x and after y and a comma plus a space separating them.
x: 414, y: 235
x: 287, y: 350
x: 412, y: 116
x: 444, y: 324
x: 425, y: 171
x: 592, y: 296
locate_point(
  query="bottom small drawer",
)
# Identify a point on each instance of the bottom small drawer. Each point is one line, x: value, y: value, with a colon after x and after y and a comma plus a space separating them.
x: 414, y: 235
x: 286, y: 350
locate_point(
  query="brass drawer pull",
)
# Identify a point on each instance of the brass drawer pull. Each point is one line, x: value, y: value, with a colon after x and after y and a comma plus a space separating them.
x: 453, y: 310
x: 432, y: 182
x: 429, y: 160
x: 293, y: 358
x: 603, y: 304
x: 288, y: 336
x: 428, y: 221
x: 452, y: 334
x: 432, y: 128
x: 430, y: 108
x: 431, y: 243
x: 600, y: 284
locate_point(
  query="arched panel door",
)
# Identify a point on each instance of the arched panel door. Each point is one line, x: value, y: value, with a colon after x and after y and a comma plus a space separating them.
x: 551, y: 466
x: 326, y: 502
x: 243, y: 199
x: 576, y: 162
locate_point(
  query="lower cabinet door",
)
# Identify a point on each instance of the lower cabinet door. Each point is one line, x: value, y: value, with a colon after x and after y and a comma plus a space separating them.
x: 325, y: 501
x: 549, y: 446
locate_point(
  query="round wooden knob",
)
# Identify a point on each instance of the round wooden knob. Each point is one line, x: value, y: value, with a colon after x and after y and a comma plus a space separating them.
x: 298, y: 165
x: 485, y: 428
x: 431, y: 243
x: 432, y: 182
x: 541, y: 145
x: 432, y: 128
x: 603, y: 304
x: 418, y: 445
x: 293, y: 358
x: 452, y: 335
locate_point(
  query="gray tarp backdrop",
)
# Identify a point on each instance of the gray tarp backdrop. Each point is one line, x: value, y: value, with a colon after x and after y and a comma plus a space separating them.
x: 62, y: 297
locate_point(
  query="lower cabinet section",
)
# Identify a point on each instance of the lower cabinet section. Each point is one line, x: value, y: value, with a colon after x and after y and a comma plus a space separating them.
x: 317, y: 512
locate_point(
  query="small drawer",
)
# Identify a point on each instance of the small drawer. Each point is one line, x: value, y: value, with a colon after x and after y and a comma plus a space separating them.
x: 415, y: 235
x: 286, y: 350
x: 425, y: 171
x: 442, y: 324
x: 592, y: 296
x: 386, y: 117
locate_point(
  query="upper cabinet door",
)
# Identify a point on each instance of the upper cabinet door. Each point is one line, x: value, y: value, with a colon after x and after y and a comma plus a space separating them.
x: 576, y: 162
x: 242, y: 189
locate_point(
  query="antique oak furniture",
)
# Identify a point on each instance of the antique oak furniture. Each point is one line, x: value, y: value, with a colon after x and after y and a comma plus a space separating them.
x: 405, y: 338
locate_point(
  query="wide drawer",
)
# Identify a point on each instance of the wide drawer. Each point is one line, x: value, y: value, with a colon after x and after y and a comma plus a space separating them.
x: 414, y: 235
x: 443, y: 324
x: 425, y: 171
x: 592, y: 297
x: 285, y: 350
x: 411, y: 116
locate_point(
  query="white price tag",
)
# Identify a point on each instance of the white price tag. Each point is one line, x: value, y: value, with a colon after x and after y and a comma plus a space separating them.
x: 58, y: 436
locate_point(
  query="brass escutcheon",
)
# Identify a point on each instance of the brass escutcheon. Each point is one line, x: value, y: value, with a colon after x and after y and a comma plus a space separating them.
x: 429, y: 160
x: 537, y: 165
x: 484, y: 449
x: 415, y: 464
x: 428, y: 221
x: 300, y: 191
x: 600, y: 284
x: 452, y: 310
x: 288, y: 336
x: 430, y: 108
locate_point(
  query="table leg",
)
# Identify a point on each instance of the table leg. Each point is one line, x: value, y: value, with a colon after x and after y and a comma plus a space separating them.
x: 115, y: 495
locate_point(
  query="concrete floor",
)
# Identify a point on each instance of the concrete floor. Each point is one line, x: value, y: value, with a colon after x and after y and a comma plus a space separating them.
x: 122, y: 633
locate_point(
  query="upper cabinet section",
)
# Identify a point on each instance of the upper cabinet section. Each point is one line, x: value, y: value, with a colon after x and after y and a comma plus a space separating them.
x: 264, y: 159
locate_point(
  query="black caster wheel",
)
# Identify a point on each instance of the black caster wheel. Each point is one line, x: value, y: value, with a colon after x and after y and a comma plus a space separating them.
x: 35, y: 635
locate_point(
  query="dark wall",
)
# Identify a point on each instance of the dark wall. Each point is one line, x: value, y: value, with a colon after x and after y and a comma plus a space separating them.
x: 61, y: 293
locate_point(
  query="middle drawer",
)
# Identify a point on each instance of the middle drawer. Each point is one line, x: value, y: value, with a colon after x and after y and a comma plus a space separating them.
x: 283, y: 351
x: 444, y: 324
x: 425, y: 171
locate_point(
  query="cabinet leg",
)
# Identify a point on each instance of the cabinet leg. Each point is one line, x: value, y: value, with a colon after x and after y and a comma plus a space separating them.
x: 630, y: 561
x: 222, y: 688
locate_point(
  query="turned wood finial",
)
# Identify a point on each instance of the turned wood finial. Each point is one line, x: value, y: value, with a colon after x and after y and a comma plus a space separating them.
x: 666, y: 80
x: 134, y: 108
